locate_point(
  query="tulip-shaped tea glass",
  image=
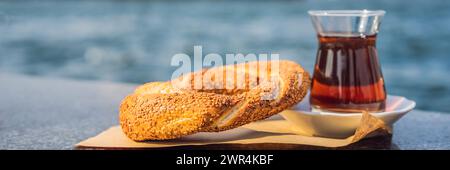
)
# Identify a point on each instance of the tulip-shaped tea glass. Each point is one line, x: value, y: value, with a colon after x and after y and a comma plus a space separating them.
x: 347, y: 74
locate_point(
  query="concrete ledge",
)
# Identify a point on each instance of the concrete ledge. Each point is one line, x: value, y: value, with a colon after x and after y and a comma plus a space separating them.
x: 52, y: 113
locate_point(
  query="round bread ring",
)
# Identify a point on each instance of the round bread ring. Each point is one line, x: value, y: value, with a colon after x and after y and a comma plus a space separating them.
x: 164, y: 110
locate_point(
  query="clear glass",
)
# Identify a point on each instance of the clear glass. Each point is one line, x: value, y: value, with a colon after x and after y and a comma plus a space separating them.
x: 347, y: 74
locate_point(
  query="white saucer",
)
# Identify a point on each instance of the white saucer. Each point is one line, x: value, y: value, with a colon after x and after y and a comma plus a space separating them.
x: 341, y: 125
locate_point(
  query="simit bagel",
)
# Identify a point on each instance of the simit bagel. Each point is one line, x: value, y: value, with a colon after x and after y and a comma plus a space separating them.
x: 168, y: 110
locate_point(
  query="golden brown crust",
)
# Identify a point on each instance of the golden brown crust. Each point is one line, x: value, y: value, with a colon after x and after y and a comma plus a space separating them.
x: 158, y: 110
x: 154, y: 116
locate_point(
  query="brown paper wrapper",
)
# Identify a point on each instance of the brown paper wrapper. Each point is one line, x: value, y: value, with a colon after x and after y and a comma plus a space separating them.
x: 269, y: 131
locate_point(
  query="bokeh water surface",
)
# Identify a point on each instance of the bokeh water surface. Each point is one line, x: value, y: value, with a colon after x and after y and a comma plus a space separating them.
x: 133, y: 41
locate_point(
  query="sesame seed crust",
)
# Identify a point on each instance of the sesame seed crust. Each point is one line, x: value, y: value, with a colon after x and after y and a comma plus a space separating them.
x: 160, y: 110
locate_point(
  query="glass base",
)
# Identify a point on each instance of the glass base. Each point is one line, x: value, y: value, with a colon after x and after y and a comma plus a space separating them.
x: 316, y: 108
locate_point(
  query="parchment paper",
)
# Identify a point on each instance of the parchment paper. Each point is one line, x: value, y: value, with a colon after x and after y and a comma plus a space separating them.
x: 269, y: 131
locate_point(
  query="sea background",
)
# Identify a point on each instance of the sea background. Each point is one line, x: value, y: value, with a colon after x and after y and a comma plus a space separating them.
x: 133, y: 41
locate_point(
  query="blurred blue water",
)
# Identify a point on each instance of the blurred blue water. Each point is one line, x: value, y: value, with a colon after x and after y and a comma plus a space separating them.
x: 133, y: 41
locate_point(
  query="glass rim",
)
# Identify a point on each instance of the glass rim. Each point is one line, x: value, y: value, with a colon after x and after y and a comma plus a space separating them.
x: 346, y: 13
